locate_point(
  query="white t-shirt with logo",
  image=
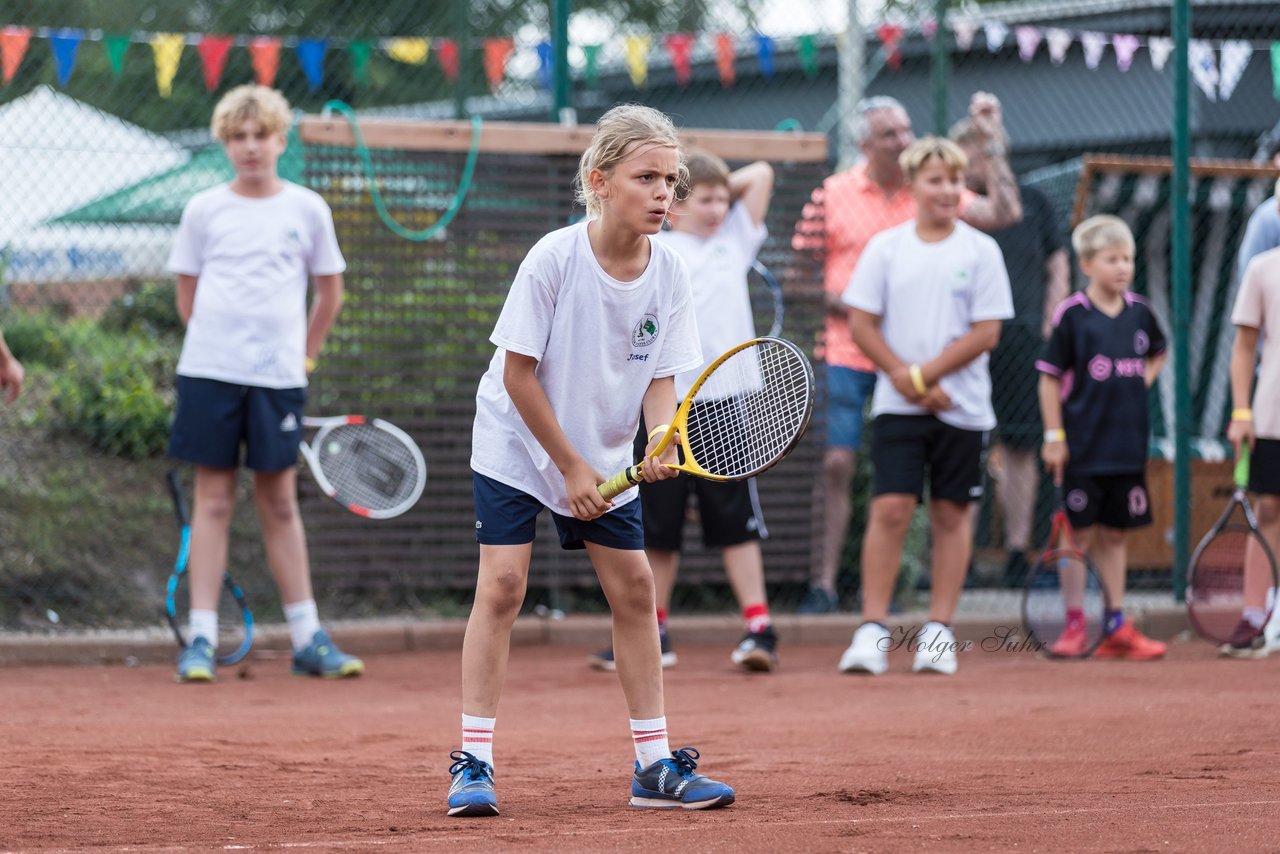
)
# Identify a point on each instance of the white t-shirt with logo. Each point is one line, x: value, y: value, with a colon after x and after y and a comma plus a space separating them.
x: 253, y: 258
x: 927, y: 295
x: 599, y: 344
x: 718, y: 268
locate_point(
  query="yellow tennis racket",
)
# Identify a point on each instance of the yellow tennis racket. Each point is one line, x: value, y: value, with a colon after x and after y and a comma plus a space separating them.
x: 745, y: 413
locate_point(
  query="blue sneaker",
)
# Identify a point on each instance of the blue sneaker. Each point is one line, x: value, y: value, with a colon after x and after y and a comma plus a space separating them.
x: 196, y: 662
x: 471, y: 792
x: 671, y: 783
x: 322, y: 657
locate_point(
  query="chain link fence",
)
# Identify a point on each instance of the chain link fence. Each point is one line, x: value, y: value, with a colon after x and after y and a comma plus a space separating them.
x: 103, y: 130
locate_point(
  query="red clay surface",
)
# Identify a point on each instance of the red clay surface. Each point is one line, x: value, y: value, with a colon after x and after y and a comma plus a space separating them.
x: 1013, y: 753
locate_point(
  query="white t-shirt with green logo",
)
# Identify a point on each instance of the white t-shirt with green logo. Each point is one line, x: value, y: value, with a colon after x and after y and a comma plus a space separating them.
x: 599, y: 344
x: 926, y: 296
x: 253, y: 259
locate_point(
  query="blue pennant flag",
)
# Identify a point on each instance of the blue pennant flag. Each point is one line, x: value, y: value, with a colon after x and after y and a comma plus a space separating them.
x: 311, y: 57
x: 64, y: 44
x: 546, y: 58
x: 764, y: 48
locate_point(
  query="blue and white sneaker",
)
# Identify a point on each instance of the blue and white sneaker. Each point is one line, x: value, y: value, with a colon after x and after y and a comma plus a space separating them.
x: 471, y: 792
x: 672, y: 784
x: 196, y: 662
x: 322, y: 657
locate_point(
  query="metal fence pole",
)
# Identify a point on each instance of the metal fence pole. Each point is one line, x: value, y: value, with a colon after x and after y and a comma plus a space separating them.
x: 1180, y: 250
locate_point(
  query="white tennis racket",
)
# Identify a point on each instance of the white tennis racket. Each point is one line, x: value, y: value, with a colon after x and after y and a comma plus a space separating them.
x: 367, y: 465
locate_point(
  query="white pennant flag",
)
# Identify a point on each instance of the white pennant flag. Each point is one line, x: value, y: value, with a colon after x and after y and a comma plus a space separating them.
x: 1204, y: 67
x: 996, y: 33
x: 1160, y: 49
x: 1094, y: 45
x: 1028, y: 40
x: 1059, y: 43
x: 1235, y: 58
x: 964, y: 33
x: 1125, y: 47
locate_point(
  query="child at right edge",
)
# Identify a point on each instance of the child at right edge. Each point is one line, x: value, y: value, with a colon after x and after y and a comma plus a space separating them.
x: 1104, y: 352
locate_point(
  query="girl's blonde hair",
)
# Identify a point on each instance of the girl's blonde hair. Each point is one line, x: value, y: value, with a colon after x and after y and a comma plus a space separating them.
x: 918, y: 153
x: 618, y: 133
x: 1098, y: 232
x: 261, y: 104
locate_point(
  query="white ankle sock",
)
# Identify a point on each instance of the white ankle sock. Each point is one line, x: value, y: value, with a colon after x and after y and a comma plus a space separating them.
x: 303, y: 621
x: 477, y: 737
x: 203, y: 624
x: 650, y: 739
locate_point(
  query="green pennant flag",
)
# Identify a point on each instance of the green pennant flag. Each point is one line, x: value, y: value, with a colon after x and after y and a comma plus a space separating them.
x: 808, y: 56
x: 1275, y: 70
x: 592, y: 73
x: 117, y: 45
x: 360, y: 50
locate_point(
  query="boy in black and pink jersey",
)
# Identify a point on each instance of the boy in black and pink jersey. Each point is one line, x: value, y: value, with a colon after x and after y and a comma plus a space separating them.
x: 1105, y: 351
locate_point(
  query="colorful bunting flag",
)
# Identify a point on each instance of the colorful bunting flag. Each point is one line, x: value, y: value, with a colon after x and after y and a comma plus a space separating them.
x: 1236, y: 54
x: 117, y: 45
x: 408, y: 51
x: 807, y: 48
x: 496, y: 53
x: 546, y: 59
x: 1059, y: 42
x: 996, y: 32
x: 1094, y: 44
x: 448, y: 51
x: 1028, y: 39
x: 637, y: 51
x: 360, y: 50
x: 213, y: 52
x: 64, y: 44
x: 1160, y: 48
x: 167, y: 48
x: 726, y: 55
x: 1125, y: 46
x: 890, y: 36
x: 680, y: 47
x: 764, y: 54
x: 13, y: 46
x: 1204, y: 67
x: 928, y: 29
x: 264, y: 51
x: 965, y: 31
x: 1275, y: 70
x: 311, y: 57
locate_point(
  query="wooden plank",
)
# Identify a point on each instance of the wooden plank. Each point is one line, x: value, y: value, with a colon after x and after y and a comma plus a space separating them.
x: 1119, y: 164
x: 531, y: 138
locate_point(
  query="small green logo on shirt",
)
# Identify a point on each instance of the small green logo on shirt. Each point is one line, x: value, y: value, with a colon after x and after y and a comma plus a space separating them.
x: 645, y: 332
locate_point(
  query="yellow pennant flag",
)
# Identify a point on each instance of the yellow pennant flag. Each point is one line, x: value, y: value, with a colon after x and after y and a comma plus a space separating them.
x: 412, y: 51
x: 637, y: 48
x: 168, y: 51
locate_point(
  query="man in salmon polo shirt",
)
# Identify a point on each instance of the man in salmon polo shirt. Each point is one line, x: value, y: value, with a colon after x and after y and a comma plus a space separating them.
x: 842, y: 215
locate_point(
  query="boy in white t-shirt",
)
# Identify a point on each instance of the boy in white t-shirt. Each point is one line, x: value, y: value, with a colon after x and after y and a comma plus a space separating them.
x: 927, y: 300
x: 243, y: 255
x: 598, y: 322
x: 717, y: 228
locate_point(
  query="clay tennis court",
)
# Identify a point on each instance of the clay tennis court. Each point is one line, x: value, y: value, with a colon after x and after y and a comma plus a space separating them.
x: 1014, y: 753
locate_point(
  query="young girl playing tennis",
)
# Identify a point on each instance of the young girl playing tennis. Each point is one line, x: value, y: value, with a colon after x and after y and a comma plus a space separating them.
x: 597, y: 323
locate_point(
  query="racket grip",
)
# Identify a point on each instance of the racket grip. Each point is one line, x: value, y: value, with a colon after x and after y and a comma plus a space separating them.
x: 620, y: 483
x: 179, y: 503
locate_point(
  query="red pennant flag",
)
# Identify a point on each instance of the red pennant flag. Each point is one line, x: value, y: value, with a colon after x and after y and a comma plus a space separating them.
x: 13, y: 46
x: 265, y: 52
x: 725, y: 59
x: 213, y: 58
x: 890, y: 36
x: 680, y: 46
x: 448, y: 53
x: 496, y: 53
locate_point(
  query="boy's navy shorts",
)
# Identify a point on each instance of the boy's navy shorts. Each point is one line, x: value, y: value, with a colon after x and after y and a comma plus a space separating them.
x: 214, y: 419
x: 506, y: 516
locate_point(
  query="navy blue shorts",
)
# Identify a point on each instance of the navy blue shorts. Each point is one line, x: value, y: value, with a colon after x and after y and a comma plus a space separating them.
x: 1114, y: 500
x: 214, y: 419
x: 905, y: 447
x: 506, y: 516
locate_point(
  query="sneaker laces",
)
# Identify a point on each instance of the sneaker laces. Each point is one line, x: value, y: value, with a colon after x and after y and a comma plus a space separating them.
x: 684, y: 760
x: 473, y: 767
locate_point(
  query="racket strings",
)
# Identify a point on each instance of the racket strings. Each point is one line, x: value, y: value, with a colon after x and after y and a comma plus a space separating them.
x: 750, y: 410
x: 1215, y: 592
x: 1060, y: 584
x: 368, y: 466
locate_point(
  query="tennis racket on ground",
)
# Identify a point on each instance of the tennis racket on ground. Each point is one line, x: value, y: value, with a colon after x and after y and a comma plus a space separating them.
x: 367, y: 465
x: 1232, y: 568
x: 775, y: 296
x: 1064, y: 605
x: 235, y: 620
x: 745, y: 413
